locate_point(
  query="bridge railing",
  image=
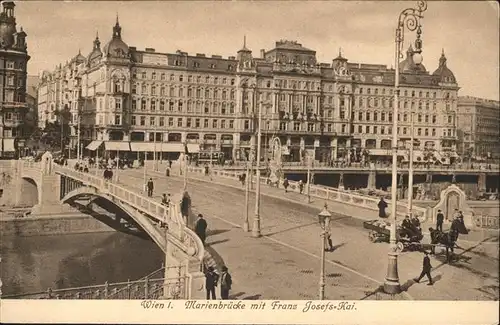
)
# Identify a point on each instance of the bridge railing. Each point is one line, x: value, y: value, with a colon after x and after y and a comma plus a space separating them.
x: 145, y: 204
x: 323, y: 192
x: 148, y: 287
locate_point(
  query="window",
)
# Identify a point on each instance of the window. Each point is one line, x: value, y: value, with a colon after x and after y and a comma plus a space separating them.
x: 419, y: 118
x: 144, y: 76
x: 343, y: 128
x: 180, y: 106
x: 360, y: 129
x: 310, y: 127
x: 143, y: 120
x: 163, y: 76
x: 181, y: 78
x: 118, y: 104
x: 118, y: 119
x: 434, y: 118
x: 375, y: 116
x: 134, y: 89
x: 296, y: 126
x: 231, y: 124
x: 179, y: 122
x: 375, y: 130
x: 433, y: 132
x: 205, y: 123
x: 153, y: 90
x: 188, y: 122
x: 162, y: 121
x: 368, y: 116
x: 342, y: 114
x: 153, y: 104
x: 223, y: 124
x: 405, y: 117
x: 206, y: 109
x: 247, y: 125
x: 426, y: 132
x: 223, y: 109
x: 404, y: 130
x: 426, y: 118
x: 172, y: 77
x: 360, y: 116
x: 172, y: 92
x: 133, y: 120
x: 382, y: 130
x: 152, y: 120
x: 134, y: 105
x: 283, y: 126
x: 144, y: 90
x: 232, y: 95
x: 170, y: 121
x: 419, y: 131
x: 162, y: 105
x: 181, y: 92
x: 197, y: 123
x: 143, y: 104
x: 215, y: 124
x: 153, y: 75
x: 382, y: 116
x: 171, y: 106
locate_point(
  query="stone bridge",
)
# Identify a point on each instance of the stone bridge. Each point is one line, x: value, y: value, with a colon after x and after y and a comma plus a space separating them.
x: 56, y: 186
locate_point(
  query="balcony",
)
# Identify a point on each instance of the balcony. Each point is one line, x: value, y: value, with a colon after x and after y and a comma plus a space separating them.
x: 14, y: 105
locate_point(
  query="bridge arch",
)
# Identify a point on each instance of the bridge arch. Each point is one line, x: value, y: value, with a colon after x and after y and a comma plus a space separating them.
x: 29, y: 191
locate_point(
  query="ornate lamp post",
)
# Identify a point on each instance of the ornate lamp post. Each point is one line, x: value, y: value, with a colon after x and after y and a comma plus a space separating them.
x: 409, y: 18
x: 324, y: 221
x: 246, y: 226
x: 256, y: 220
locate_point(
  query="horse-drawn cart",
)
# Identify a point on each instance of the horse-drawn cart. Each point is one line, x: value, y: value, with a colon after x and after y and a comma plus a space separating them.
x: 380, y: 231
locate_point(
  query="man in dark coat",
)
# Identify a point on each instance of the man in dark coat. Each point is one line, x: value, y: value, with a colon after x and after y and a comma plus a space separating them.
x: 382, y: 205
x: 407, y: 226
x: 225, y: 283
x: 150, y: 187
x: 439, y: 221
x: 211, y: 280
x: 434, y: 239
x: 200, y: 228
x: 426, y: 269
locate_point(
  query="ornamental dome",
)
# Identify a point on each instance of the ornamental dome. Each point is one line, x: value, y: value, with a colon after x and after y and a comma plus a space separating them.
x: 116, y: 47
x: 443, y: 72
x: 408, y: 65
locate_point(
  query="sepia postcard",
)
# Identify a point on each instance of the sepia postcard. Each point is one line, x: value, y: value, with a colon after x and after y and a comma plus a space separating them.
x: 249, y: 162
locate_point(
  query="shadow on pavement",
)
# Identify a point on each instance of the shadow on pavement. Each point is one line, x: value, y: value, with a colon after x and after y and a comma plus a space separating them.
x: 217, y: 242
x: 293, y: 228
x: 216, y: 232
x: 254, y: 297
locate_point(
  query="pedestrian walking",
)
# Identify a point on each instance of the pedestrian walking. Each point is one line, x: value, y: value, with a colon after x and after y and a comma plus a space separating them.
x: 225, y: 283
x: 200, y: 228
x: 329, y: 242
x: 211, y: 280
x: 150, y: 187
x: 382, y: 205
x: 285, y: 184
x: 426, y: 269
x: 301, y: 186
x: 439, y: 220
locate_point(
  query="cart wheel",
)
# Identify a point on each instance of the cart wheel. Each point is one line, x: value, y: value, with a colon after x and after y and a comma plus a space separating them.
x: 371, y: 237
x: 400, y: 247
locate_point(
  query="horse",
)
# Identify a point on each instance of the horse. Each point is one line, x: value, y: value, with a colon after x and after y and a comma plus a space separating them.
x: 449, y: 238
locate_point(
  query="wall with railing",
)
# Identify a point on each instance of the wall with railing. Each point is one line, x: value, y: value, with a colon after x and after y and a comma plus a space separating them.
x: 323, y: 192
x: 152, y: 286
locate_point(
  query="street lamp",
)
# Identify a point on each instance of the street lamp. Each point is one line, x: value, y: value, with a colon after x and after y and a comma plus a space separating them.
x: 246, y: 226
x: 256, y: 220
x: 185, y: 166
x: 410, y: 165
x: 409, y: 18
x: 309, y: 163
x: 324, y: 221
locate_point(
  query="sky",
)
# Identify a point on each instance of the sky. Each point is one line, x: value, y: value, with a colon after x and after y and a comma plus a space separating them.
x: 468, y: 31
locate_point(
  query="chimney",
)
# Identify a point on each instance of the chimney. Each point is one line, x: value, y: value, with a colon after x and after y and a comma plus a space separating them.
x: 262, y: 53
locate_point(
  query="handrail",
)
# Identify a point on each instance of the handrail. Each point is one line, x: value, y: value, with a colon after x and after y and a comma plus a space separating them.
x: 328, y: 193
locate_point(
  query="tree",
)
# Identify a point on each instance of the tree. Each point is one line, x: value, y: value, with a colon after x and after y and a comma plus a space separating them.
x: 59, y: 130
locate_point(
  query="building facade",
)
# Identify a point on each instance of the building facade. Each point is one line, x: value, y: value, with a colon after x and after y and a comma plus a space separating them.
x: 13, y: 66
x: 478, y: 127
x: 329, y: 111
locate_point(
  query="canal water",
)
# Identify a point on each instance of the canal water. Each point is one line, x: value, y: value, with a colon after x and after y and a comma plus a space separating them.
x: 34, y: 264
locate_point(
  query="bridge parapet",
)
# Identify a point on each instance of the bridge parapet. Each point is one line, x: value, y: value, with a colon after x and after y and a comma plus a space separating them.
x: 326, y: 193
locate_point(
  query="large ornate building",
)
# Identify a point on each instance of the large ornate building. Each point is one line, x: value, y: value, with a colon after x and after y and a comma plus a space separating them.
x: 122, y: 94
x: 478, y: 127
x: 13, y: 66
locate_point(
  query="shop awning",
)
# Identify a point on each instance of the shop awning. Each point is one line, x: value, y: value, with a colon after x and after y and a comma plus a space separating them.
x: 94, y: 145
x: 193, y: 147
x: 117, y: 145
x: 8, y: 145
x: 160, y: 147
